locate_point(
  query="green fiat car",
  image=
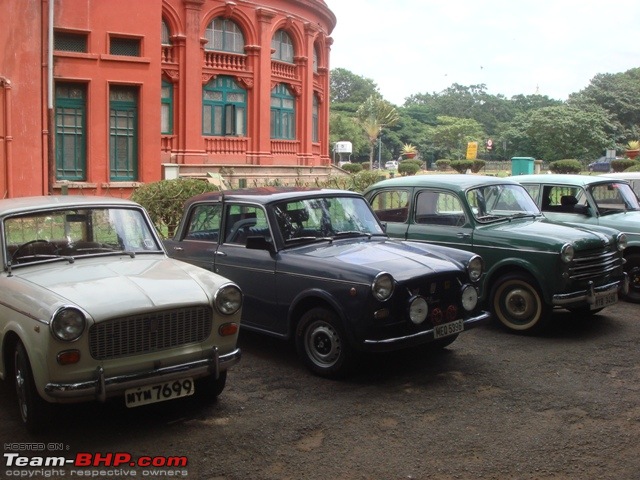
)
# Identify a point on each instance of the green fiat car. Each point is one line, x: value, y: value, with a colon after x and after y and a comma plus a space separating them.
x: 532, y: 264
x: 589, y: 201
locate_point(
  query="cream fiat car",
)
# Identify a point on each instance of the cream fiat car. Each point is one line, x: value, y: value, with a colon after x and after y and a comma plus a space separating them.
x: 92, y: 307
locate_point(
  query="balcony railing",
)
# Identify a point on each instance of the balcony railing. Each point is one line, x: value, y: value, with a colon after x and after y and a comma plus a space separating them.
x: 168, y: 54
x: 225, y: 60
x: 226, y: 145
x: 283, y: 70
x: 166, y: 143
x: 284, y: 147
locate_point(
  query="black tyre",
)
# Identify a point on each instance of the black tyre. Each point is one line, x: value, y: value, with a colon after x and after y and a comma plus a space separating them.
x: 632, y: 267
x: 322, y: 343
x: 516, y: 301
x: 34, y: 410
x: 210, y: 387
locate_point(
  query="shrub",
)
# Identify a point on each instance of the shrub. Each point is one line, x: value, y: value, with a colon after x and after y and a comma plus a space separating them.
x: 409, y: 167
x: 478, y: 165
x: 565, y: 166
x: 164, y: 201
x: 461, y: 166
x: 622, y: 165
x: 352, y: 167
x: 443, y: 164
x: 635, y: 168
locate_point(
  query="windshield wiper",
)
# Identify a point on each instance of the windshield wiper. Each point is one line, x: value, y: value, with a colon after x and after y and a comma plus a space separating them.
x: 354, y: 233
x: 523, y: 215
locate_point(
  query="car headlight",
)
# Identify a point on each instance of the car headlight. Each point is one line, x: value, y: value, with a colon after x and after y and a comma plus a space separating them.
x: 68, y: 323
x: 567, y: 252
x: 622, y: 241
x: 228, y: 299
x: 418, y: 309
x: 475, y: 268
x: 382, y: 286
x: 469, y: 297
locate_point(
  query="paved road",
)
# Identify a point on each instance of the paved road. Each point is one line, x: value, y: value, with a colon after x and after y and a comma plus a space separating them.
x: 494, y: 406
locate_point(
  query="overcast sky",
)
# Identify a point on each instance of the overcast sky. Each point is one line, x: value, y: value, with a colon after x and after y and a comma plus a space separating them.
x: 550, y: 47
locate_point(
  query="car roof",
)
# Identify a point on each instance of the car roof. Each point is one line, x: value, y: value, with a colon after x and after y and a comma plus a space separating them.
x: 623, y: 175
x: 16, y: 205
x: 264, y: 195
x: 563, y: 178
x: 461, y: 180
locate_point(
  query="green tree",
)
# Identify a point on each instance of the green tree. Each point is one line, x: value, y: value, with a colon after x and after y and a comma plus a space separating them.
x: 374, y: 115
x: 347, y: 87
x: 345, y: 127
x: 451, y: 135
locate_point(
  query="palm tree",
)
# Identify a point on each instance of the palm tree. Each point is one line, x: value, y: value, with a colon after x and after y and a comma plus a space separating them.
x: 373, y: 115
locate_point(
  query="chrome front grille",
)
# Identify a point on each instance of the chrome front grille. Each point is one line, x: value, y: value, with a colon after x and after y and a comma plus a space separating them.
x: 593, y: 264
x: 149, y: 332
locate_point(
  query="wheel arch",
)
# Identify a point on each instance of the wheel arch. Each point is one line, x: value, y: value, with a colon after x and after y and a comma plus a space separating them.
x: 312, y: 299
x: 505, y: 268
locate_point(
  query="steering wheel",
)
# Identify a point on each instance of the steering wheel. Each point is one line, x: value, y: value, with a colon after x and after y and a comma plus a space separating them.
x: 54, y: 248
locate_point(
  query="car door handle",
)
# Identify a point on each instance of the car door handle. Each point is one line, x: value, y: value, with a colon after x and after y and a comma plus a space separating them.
x: 178, y: 249
x: 219, y: 253
x: 463, y: 235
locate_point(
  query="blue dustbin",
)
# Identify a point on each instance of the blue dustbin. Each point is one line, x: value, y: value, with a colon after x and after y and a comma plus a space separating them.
x: 522, y: 165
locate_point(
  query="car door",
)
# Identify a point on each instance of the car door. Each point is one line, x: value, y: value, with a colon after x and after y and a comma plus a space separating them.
x: 254, y: 270
x: 438, y: 216
x: 391, y: 206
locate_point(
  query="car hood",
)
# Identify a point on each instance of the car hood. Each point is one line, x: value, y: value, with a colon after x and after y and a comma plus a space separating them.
x: 106, y: 289
x: 403, y: 260
x: 540, y: 234
x: 628, y: 222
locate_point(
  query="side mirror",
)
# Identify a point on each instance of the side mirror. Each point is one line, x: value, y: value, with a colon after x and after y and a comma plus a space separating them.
x: 259, y: 243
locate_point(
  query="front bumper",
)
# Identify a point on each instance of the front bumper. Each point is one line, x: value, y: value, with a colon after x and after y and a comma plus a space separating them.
x: 589, y: 295
x: 103, y: 387
x: 425, y: 336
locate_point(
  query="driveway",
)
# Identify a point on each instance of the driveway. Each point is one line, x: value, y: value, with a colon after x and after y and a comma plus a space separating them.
x: 493, y: 405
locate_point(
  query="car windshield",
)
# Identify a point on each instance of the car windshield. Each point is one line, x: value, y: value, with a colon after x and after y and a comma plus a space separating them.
x: 76, y: 232
x: 325, y: 218
x: 614, y: 197
x: 498, y: 202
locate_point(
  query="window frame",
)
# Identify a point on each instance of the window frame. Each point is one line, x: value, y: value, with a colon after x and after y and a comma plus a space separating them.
x: 227, y: 116
x: 283, y: 117
x: 129, y: 110
x: 224, y: 35
x: 79, y: 134
x: 282, y: 46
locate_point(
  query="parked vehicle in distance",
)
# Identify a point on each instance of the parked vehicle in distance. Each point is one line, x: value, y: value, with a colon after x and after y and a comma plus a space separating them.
x: 602, y: 164
x: 592, y: 201
x: 632, y: 177
x: 391, y: 165
x: 315, y: 266
x: 532, y: 264
x: 91, y: 307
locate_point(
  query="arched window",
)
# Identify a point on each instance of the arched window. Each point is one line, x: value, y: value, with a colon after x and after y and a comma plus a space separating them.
x: 224, y: 108
x: 166, y: 108
x: 314, y: 120
x: 283, y: 46
x: 224, y: 35
x: 283, y: 113
x: 166, y: 35
x: 315, y: 59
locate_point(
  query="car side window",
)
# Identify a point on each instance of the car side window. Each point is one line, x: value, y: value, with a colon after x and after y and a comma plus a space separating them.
x: 243, y: 221
x: 563, y: 199
x: 439, y: 208
x: 204, y: 223
x: 391, y: 205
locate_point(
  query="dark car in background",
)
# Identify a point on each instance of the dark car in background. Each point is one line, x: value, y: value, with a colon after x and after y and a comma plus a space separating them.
x: 602, y: 164
x: 532, y: 263
x: 315, y: 266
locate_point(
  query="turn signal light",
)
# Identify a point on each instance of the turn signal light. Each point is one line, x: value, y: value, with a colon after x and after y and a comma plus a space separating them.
x: 227, y: 329
x: 68, y: 357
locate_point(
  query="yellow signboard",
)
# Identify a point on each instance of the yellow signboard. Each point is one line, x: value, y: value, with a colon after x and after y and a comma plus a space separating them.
x: 472, y: 150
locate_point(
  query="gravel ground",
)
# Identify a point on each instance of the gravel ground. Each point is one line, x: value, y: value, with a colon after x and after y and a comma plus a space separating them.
x: 493, y: 405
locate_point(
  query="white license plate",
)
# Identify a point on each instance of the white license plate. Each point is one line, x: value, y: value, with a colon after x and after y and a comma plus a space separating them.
x: 134, y: 397
x: 604, y: 300
x: 447, y: 329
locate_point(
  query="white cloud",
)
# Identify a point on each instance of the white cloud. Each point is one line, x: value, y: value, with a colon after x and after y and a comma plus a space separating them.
x: 552, y: 47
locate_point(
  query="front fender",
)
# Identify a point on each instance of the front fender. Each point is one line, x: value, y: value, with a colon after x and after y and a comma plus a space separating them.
x: 544, y: 275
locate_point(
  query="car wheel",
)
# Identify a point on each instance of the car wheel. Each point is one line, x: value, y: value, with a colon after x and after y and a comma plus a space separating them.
x: 34, y: 410
x: 632, y: 267
x: 322, y: 344
x: 518, y: 304
x: 211, y: 387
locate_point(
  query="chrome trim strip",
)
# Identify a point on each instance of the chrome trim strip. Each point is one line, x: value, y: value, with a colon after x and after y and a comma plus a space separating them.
x: 468, y: 323
x: 103, y: 386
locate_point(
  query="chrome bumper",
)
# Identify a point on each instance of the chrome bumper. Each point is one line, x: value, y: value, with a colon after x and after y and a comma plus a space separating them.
x: 589, y: 295
x: 103, y: 386
x: 421, y: 337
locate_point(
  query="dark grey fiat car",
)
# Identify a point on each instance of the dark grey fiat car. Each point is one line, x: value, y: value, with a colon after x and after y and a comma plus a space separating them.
x: 315, y: 265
